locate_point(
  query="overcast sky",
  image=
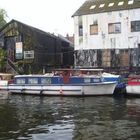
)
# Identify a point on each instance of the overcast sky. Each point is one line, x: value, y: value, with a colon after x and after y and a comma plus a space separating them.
x: 48, y: 15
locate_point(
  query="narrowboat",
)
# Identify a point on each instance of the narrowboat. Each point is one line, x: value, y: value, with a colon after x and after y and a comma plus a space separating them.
x: 66, y: 82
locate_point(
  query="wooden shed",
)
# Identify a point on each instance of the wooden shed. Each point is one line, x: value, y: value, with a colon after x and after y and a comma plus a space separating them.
x: 30, y: 50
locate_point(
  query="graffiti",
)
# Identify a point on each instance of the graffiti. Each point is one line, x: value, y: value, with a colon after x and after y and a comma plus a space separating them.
x: 110, y: 58
x: 86, y: 58
x: 133, y: 57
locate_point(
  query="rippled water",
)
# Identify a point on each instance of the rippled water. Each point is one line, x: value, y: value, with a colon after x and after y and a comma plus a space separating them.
x: 69, y: 118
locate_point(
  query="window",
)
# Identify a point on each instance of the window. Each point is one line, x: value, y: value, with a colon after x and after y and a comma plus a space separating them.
x: 87, y: 80
x: 29, y: 54
x: 120, y: 3
x: 20, y: 81
x: 135, y: 26
x: 92, y: 7
x: 110, y: 4
x: 114, y: 28
x: 96, y: 80
x: 93, y: 29
x: 130, y: 2
x: 19, y: 50
x: 45, y: 80
x: 101, y: 5
x: 80, y: 30
x: 80, y: 26
x: 32, y: 81
x: 18, y: 38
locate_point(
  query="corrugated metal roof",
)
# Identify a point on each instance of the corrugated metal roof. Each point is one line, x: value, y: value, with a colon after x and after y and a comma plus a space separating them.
x: 100, y: 6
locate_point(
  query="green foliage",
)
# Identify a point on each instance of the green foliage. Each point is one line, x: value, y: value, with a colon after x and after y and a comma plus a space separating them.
x: 2, y: 60
x: 3, y: 16
x: 3, y: 54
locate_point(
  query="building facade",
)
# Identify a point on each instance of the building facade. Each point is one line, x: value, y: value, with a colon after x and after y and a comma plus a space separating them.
x: 107, y: 34
x: 30, y: 50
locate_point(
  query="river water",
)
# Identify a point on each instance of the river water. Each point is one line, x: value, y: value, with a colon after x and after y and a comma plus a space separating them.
x: 69, y: 118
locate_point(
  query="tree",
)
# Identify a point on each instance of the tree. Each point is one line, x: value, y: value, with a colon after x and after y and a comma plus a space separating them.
x: 3, y: 55
x: 2, y: 60
x: 3, y: 16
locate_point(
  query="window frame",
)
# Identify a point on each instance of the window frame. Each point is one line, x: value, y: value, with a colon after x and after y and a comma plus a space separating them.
x: 114, y: 28
x: 32, y: 80
x: 80, y: 30
x: 20, y: 81
x: 94, y: 29
x: 46, y: 80
x: 134, y: 26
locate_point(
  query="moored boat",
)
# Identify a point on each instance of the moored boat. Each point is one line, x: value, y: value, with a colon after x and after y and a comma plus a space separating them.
x: 5, y: 78
x: 121, y: 84
x: 133, y: 85
x: 120, y: 88
x: 66, y: 82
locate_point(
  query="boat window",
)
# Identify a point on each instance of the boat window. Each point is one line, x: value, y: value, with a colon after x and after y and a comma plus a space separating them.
x: 33, y: 81
x: 96, y: 80
x: 20, y: 81
x: 45, y: 80
x: 86, y: 80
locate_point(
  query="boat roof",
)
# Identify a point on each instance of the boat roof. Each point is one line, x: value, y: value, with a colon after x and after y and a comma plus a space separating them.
x: 76, y: 69
x: 91, y: 69
x: 30, y: 75
x: 105, y: 74
x: 63, y: 69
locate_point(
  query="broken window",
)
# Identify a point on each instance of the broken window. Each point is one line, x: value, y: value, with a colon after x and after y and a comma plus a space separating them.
x: 114, y: 28
x: 93, y: 29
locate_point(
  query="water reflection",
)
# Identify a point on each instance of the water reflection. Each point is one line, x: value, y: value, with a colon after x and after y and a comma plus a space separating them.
x: 69, y: 118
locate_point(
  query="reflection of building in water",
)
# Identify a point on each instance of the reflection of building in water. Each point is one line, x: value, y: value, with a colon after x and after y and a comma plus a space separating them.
x: 107, y: 34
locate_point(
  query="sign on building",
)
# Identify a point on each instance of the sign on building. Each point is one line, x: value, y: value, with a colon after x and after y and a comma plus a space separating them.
x: 29, y: 54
